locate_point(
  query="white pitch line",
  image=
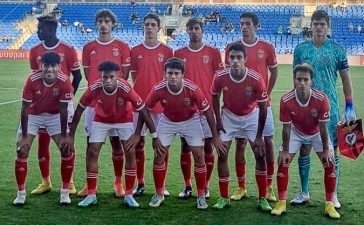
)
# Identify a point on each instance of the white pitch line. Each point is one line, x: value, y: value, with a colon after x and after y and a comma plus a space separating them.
x: 5, y: 103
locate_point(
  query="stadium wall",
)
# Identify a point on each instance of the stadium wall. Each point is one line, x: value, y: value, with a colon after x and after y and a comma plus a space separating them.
x: 282, y: 59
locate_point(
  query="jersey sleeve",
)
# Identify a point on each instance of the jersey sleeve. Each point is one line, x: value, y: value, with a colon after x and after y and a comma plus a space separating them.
x: 260, y: 90
x: 324, y: 114
x: 87, y: 97
x: 284, y: 114
x: 152, y: 99
x: 33, y: 60
x: 217, y: 62
x: 200, y: 100
x: 72, y: 59
x: 134, y: 98
x: 272, y: 58
x: 86, y: 55
x: 67, y: 92
x: 216, y: 86
x: 342, y: 63
x: 125, y: 55
x: 27, y: 91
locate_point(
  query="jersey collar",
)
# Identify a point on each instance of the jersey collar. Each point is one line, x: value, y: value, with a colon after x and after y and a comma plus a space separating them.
x: 105, y: 43
x: 196, y: 50
x: 151, y: 48
x: 299, y: 102
x: 179, y: 92
x: 51, y: 48
x: 250, y: 45
x: 239, y: 81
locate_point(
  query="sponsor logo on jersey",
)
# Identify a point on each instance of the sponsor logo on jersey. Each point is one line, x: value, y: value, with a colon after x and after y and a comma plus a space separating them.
x: 293, y: 113
x: 160, y: 57
x: 204, y: 103
x: 314, y: 113
x: 326, y: 114
x: 55, y: 91
x: 205, y: 59
x: 115, y: 51
x: 260, y: 53
x: 38, y: 92
x: 120, y: 101
x: 248, y: 91
x: 187, y: 101
x: 225, y: 88
x: 185, y: 60
x: 39, y: 58
x: 93, y: 52
x: 128, y: 59
x: 264, y: 94
x: 140, y: 57
x: 164, y: 101
x: 99, y: 101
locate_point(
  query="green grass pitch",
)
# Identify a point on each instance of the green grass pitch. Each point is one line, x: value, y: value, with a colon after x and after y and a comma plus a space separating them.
x: 44, y: 209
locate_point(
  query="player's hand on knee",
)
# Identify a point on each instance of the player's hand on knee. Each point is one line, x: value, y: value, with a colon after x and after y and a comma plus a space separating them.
x: 284, y: 158
x: 219, y: 145
x: 132, y: 142
x: 159, y: 149
x: 64, y: 146
x: 22, y: 147
x: 259, y: 146
x: 326, y: 158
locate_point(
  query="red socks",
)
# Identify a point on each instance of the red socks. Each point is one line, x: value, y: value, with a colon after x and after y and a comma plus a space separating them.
x: 130, y: 175
x: 200, y: 176
x: 186, y: 164
x: 330, y: 182
x: 159, y: 173
x: 140, y: 161
x: 224, y: 186
x: 282, y: 181
x: 92, y: 182
x: 270, y: 173
x: 209, y: 160
x: 118, y: 162
x: 240, y: 173
x: 44, y: 156
x: 261, y: 178
x: 21, y: 169
x: 67, y: 165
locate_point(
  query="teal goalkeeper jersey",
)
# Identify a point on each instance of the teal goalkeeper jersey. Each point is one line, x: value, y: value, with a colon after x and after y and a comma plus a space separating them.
x: 326, y: 61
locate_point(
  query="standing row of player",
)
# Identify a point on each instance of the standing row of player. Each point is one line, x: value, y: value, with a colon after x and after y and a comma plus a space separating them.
x: 244, y: 89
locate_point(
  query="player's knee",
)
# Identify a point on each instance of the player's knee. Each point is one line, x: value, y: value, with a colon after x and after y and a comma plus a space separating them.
x: 23, y: 152
x: 92, y: 152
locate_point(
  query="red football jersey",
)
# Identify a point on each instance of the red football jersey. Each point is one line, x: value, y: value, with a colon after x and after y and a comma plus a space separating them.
x: 95, y: 52
x: 147, y: 63
x: 179, y: 106
x: 46, y: 98
x: 240, y: 96
x: 305, y: 117
x: 112, y: 107
x: 69, y: 60
x: 201, y: 66
x: 259, y: 55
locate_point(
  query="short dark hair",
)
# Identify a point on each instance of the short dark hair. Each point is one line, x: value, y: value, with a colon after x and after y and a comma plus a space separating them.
x: 108, y: 66
x: 103, y: 13
x: 237, y: 47
x: 49, y: 21
x: 154, y: 17
x: 50, y: 58
x: 305, y: 67
x: 320, y: 14
x: 251, y: 15
x: 175, y: 63
x: 191, y: 22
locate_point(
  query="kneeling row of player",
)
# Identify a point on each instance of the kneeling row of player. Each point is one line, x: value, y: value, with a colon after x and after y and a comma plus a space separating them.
x: 243, y: 113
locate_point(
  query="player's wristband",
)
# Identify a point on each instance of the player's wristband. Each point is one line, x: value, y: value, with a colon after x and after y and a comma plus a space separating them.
x: 154, y: 135
x: 349, y: 102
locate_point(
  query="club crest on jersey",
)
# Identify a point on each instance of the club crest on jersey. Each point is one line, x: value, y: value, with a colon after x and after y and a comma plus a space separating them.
x: 187, y: 101
x: 248, y: 91
x: 260, y: 53
x: 115, y: 51
x: 314, y: 113
x: 160, y: 57
x: 205, y: 59
x: 120, y: 101
x: 55, y: 91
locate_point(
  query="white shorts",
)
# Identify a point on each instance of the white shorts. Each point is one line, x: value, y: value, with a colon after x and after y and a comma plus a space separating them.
x: 50, y: 122
x: 269, y: 129
x: 297, y: 139
x: 155, y: 117
x: 190, y: 129
x: 70, y: 113
x: 99, y: 131
x: 239, y: 126
x: 89, y: 118
x: 205, y: 127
